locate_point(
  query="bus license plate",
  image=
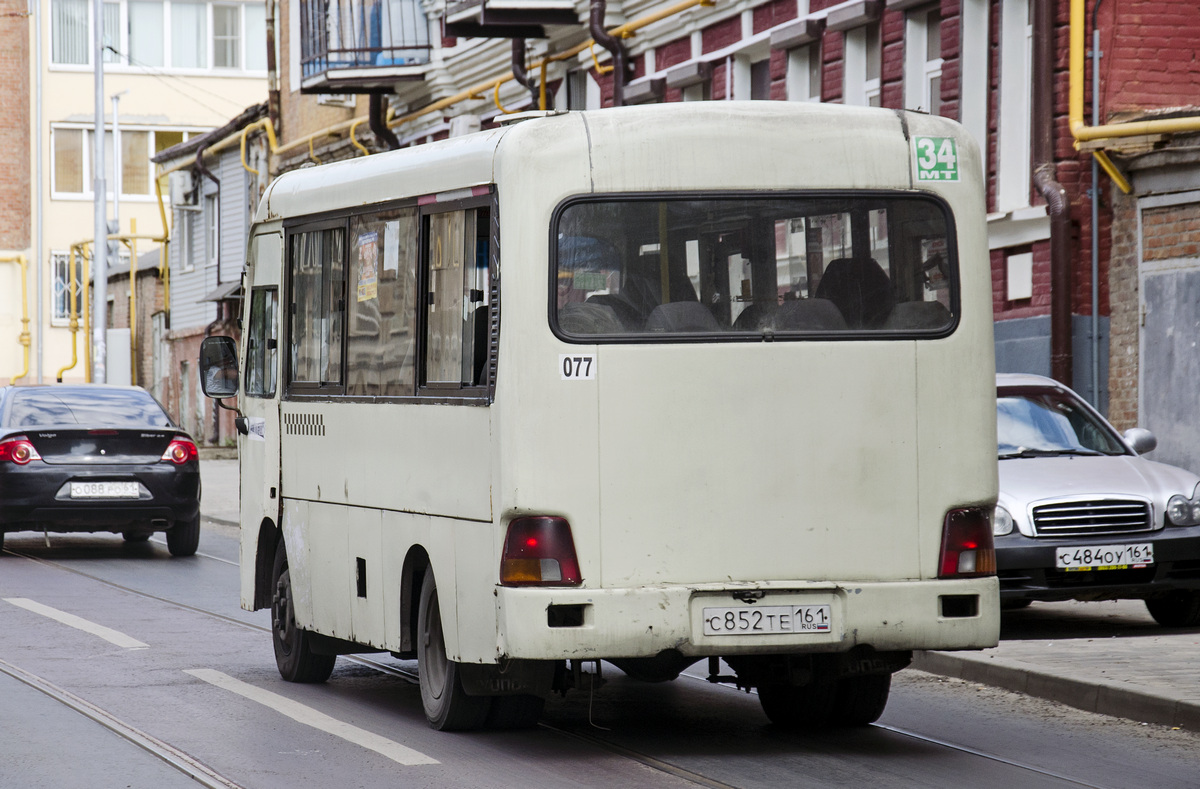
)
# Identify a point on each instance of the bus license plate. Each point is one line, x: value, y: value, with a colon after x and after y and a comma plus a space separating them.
x: 767, y: 620
x: 104, y: 490
x: 1104, y: 557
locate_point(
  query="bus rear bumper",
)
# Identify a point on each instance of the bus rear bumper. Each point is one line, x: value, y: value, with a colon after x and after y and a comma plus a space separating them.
x: 586, y: 624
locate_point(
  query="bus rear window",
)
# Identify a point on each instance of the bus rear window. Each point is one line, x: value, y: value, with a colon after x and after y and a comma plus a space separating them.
x: 747, y: 267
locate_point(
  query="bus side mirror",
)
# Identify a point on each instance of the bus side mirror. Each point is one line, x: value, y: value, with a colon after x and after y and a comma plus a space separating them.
x: 218, y: 367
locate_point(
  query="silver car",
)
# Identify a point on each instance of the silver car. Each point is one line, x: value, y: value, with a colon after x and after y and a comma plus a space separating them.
x: 1082, y: 516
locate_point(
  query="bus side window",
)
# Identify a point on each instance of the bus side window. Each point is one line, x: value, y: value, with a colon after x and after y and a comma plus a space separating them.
x: 317, y: 305
x: 457, y: 305
x: 261, y: 343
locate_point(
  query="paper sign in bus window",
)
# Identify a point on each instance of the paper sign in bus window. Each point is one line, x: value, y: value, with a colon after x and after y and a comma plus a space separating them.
x: 368, y: 266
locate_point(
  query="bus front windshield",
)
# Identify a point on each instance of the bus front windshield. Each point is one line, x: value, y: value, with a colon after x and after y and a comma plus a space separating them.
x: 754, y: 267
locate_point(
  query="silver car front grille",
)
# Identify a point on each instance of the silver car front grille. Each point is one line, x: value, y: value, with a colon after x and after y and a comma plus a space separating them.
x: 1083, y: 518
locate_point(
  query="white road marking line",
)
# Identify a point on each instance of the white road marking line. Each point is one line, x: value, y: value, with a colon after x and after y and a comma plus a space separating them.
x: 310, y: 717
x: 79, y: 623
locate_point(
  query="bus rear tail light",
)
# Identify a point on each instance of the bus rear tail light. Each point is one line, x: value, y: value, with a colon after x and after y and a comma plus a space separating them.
x: 967, y: 548
x: 180, y: 451
x: 539, y: 551
x: 18, y: 450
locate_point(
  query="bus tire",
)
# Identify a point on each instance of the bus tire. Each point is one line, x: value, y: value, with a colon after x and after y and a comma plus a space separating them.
x: 515, y: 712
x: 860, y: 700
x: 184, y: 537
x: 798, y: 706
x: 447, y: 705
x: 293, y: 647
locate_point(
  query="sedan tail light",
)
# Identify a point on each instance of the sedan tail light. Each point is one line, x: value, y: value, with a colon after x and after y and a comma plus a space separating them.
x: 539, y: 551
x: 180, y: 451
x: 17, y: 450
x: 967, y: 548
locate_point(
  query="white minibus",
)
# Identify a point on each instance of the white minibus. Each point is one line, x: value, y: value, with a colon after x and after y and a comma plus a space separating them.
x: 651, y: 385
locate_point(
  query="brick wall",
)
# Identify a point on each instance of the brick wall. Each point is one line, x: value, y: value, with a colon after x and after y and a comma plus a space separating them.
x: 1124, y: 319
x: 15, y: 164
x: 1150, y: 56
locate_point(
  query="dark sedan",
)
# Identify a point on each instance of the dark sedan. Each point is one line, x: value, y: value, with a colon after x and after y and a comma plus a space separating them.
x: 90, y: 458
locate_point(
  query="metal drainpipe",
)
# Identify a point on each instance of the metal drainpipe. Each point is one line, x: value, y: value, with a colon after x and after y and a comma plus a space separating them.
x: 1096, y: 212
x: 613, y: 45
x: 377, y: 120
x: 1055, y: 195
x: 519, y: 72
x: 272, y: 69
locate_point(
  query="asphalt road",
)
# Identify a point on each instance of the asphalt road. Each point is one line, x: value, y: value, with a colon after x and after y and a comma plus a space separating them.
x: 123, y: 667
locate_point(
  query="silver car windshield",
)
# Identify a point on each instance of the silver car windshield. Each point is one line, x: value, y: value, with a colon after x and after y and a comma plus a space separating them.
x: 1051, y: 423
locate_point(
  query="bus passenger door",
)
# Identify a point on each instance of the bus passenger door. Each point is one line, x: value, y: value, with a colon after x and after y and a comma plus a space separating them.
x: 258, y: 448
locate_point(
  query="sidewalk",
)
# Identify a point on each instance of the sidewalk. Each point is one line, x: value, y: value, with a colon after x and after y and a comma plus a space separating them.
x: 1109, y: 657
x: 1106, y: 657
x: 219, y: 489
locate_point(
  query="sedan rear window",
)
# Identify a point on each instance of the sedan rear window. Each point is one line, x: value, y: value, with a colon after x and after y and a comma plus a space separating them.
x: 86, y: 407
x: 754, y: 267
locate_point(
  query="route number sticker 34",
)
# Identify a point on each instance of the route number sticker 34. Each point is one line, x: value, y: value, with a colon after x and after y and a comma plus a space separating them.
x: 937, y: 158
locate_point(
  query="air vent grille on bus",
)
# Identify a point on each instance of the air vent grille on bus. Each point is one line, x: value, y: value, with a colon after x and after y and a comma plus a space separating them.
x: 304, y: 424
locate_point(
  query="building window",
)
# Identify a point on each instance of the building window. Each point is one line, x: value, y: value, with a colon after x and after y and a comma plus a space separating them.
x: 863, y: 60
x: 189, y: 35
x: 61, y: 307
x: 177, y: 34
x: 923, y: 61
x: 72, y: 173
x: 60, y: 264
x: 1016, y: 65
x: 804, y: 73
x: 227, y: 36
x: 69, y: 40
x: 212, y: 229
x: 760, y: 80
x: 185, y: 223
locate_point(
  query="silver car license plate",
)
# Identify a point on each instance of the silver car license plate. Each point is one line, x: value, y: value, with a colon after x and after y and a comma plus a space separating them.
x: 1105, y: 557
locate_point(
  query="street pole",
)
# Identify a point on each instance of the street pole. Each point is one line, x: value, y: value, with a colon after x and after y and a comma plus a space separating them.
x: 117, y: 163
x: 100, y: 242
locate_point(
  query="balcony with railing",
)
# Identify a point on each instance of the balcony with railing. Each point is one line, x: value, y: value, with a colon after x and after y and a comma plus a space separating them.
x: 361, y: 46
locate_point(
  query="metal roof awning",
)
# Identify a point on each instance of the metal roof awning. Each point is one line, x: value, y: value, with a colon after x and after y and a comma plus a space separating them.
x: 230, y: 290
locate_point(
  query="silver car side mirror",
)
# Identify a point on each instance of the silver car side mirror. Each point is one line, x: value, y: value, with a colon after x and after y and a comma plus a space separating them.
x: 1140, y: 440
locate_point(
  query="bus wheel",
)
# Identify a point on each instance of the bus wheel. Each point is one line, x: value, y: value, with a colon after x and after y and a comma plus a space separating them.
x: 860, y: 700
x: 293, y: 647
x: 184, y: 538
x: 798, y: 707
x: 447, y: 705
x: 515, y: 712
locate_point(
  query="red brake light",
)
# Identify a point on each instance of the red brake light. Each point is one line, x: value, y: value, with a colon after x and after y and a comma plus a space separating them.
x: 18, y: 450
x: 967, y: 548
x: 180, y: 451
x: 539, y: 551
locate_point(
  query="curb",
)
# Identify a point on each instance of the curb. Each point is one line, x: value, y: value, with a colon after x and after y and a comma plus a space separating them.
x: 1105, y: 698
x: 221, y: 521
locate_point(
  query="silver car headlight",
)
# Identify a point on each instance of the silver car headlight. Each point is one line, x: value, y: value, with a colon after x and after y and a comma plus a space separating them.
x: 1182, y: 511
x: 1002, y: 522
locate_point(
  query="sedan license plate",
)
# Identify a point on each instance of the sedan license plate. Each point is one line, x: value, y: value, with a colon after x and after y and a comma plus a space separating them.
x: 104, y: 490
x: 1104, y: 557
x: 767, y: 620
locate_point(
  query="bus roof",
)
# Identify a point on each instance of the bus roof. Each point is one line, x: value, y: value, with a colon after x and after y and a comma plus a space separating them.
x: 869, y: 145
